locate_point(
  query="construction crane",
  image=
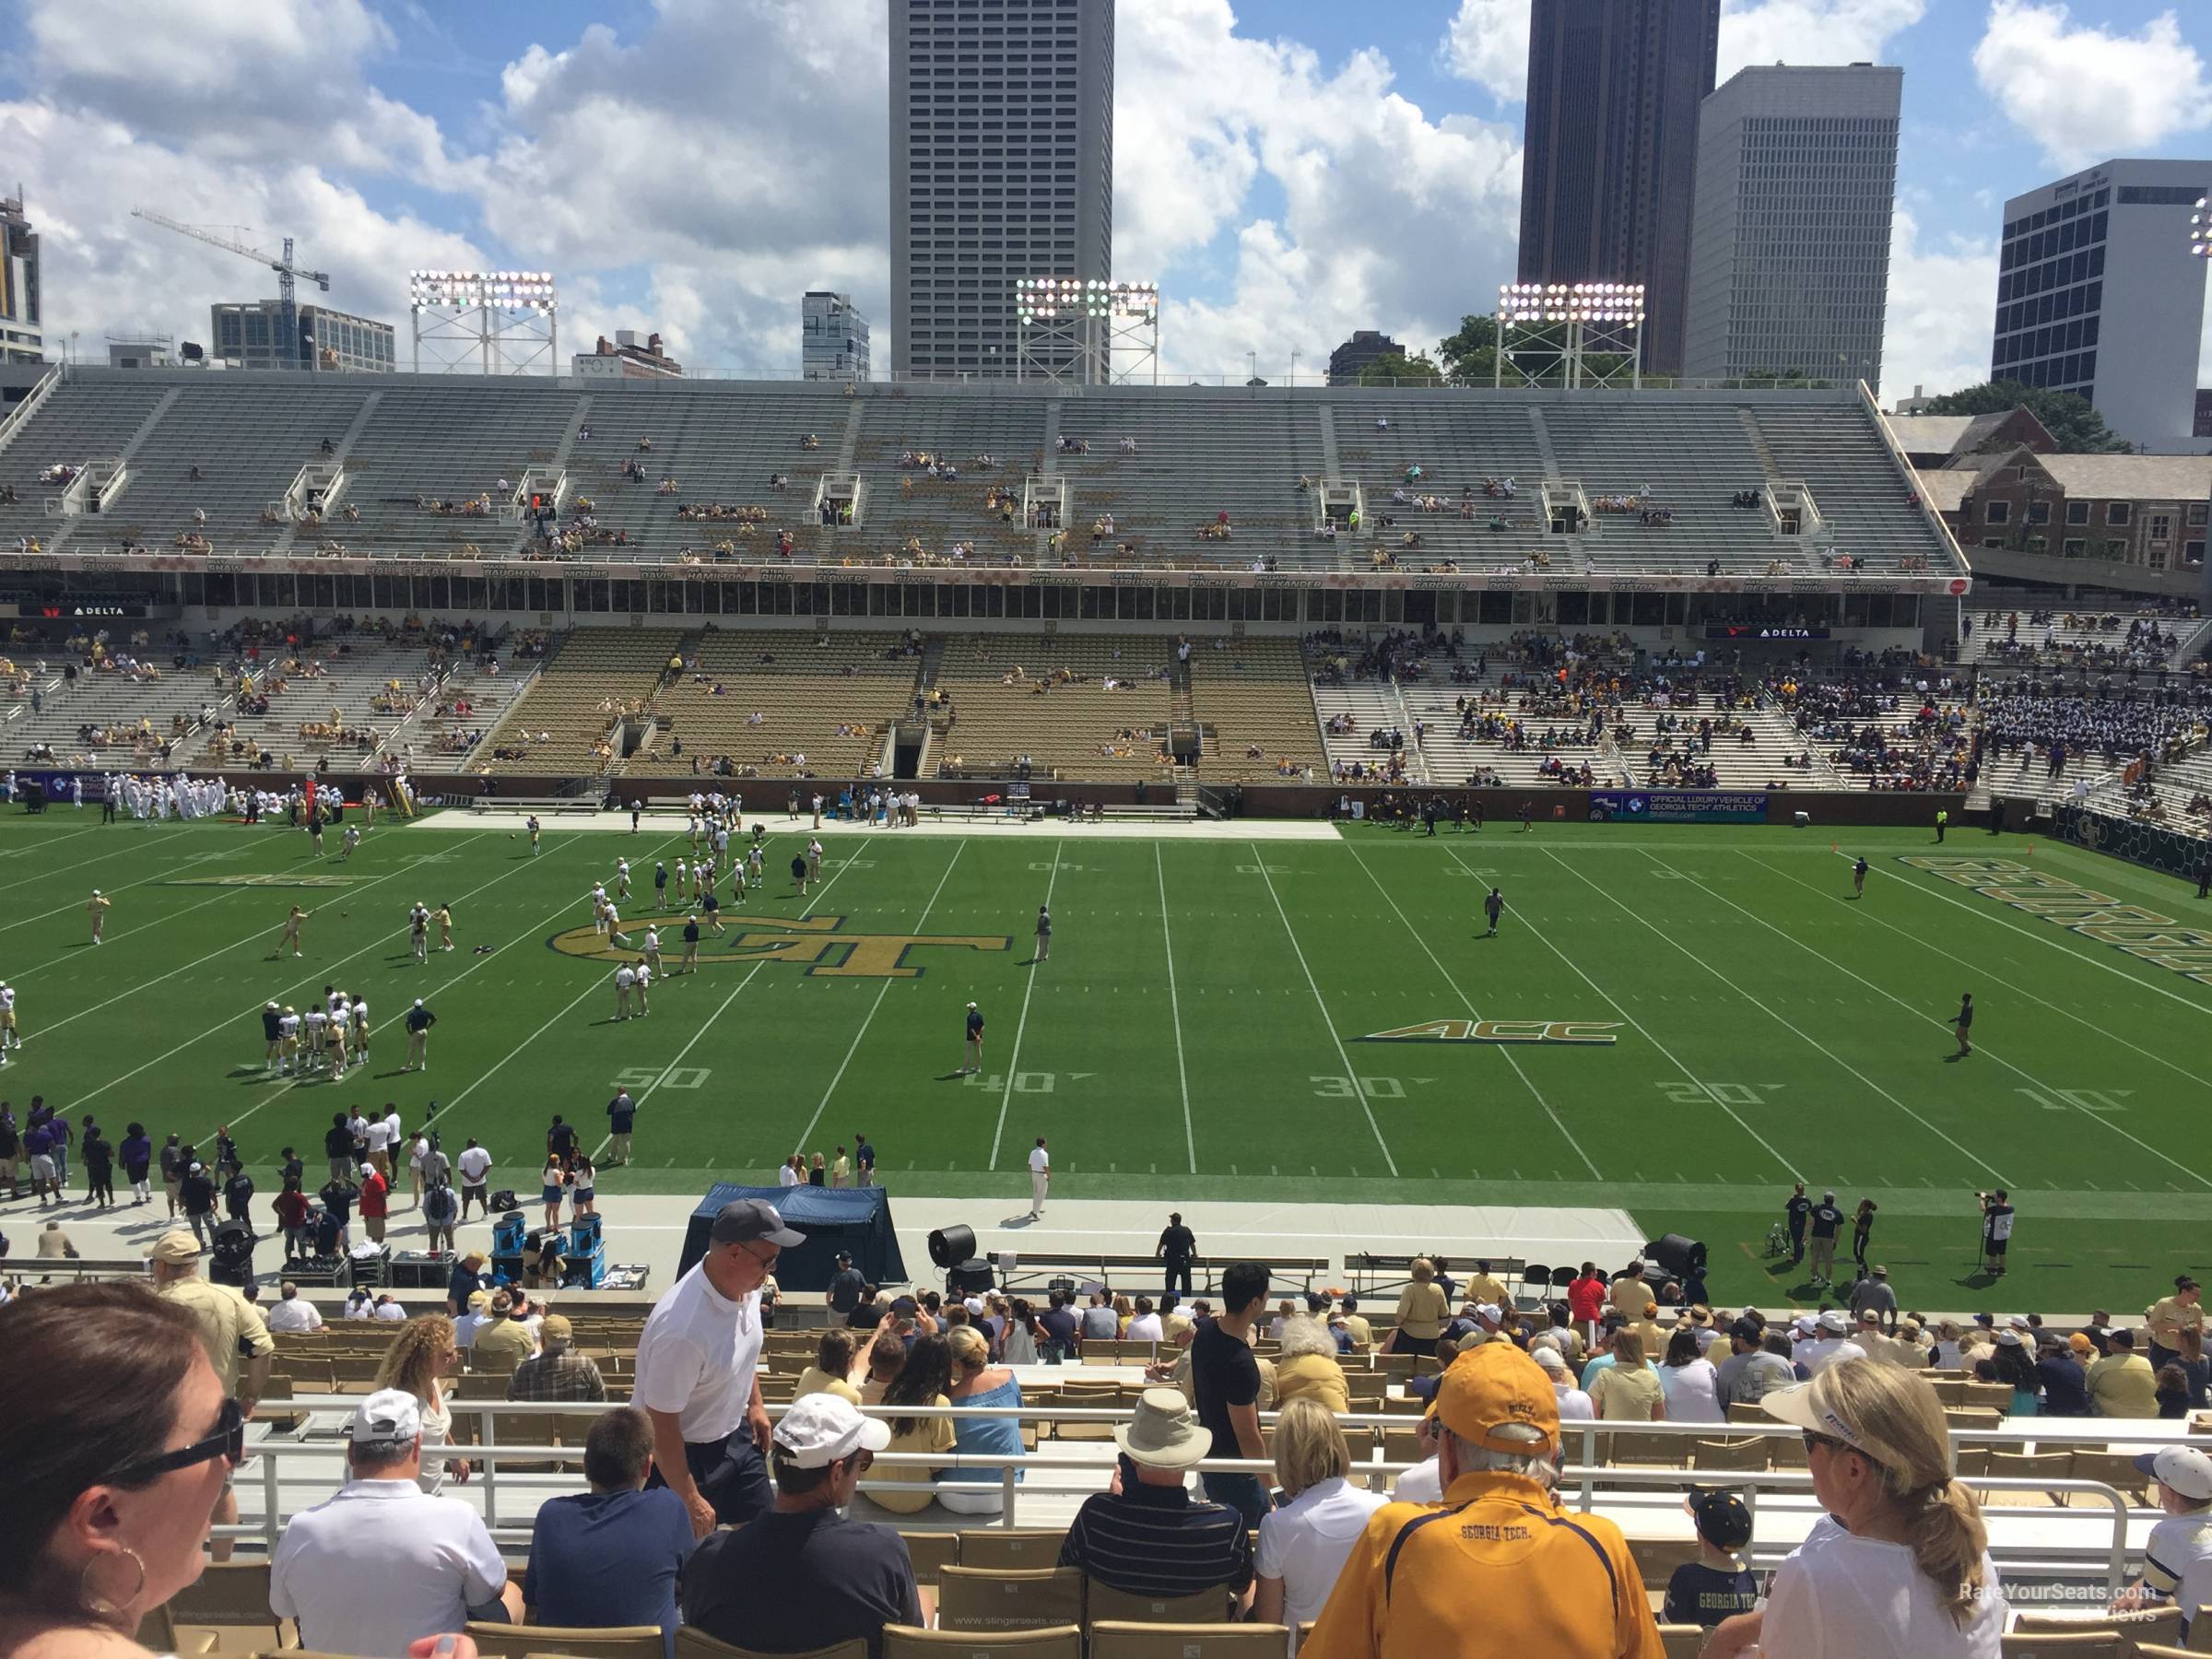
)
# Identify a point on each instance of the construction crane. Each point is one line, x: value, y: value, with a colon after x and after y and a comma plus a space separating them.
x: 288, y: 274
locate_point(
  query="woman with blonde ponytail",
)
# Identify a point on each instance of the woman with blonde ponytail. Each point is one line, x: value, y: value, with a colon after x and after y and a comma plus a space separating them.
x: 1899, y: 1567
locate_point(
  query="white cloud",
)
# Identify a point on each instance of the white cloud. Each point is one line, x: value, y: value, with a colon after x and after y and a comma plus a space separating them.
x: 1205, y: 117
x: 1942, y: 308
x: 1487, y: 43
x: 1810, y: 32
x: 104, y: 270
x: 2088, y: 92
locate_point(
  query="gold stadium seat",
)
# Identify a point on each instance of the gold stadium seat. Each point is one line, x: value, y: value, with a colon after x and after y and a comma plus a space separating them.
x: 229, y: 1596
x: 931, y: 1553
x: 1656, y: 1559
x: 519, y: 1641
x: 1060, y: 1641
x: 979, y: 1599
x: 1683, y: 1642
x: 1114, y: 1639
x: 2152, y: 1625
x: 1118, y: 1606
x: 1006, y: 1548
x: 697, y: 1645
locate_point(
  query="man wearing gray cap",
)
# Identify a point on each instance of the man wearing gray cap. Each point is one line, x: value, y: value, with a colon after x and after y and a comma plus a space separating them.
x: 697, y: 1377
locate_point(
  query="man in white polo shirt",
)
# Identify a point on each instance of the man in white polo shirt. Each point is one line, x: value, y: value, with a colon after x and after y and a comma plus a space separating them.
x: 383, y: 1564
x: 697, y: 1372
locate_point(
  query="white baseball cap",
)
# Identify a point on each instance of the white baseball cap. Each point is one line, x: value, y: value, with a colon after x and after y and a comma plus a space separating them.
x: 1548, y: 1357
x: 1835, y: 1320
x: 820, y: 1429
x: 2185, y: 1468
x: 390, y: 1415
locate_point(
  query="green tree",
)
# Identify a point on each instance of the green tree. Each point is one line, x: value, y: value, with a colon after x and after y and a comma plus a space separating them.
x: 2068, y: 417
x: 1394, y: 369
x: 1470, y: 354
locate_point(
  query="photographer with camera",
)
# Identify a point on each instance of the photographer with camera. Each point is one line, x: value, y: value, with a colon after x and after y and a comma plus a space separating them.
x: 1997, y: 1231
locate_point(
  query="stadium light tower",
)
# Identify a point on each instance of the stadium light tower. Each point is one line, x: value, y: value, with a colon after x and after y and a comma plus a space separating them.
x: 1056, y: 324
x: 507, y: 320
x: 1131, y: 347
x: 1569, y: 335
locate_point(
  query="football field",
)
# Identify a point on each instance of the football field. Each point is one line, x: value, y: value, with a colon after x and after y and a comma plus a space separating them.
x: 1673, y: 1021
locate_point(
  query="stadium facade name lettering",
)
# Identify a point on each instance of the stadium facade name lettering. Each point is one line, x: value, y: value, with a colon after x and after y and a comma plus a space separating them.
x: 812, y: 942
x: 1575, y: 1032
x: 2164, y: 940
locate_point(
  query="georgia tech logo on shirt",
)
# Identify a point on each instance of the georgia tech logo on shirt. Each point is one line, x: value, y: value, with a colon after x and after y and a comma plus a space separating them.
x: 815, y: 942
x: 1576, y: 1031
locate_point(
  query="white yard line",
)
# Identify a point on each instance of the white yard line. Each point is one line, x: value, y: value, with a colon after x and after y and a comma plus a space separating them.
x: 639, y: 1100
x: 2060, y: 1009
x: 40, y: 846
x: 1992, y: 910
x: 1014, y: 1062
x: 1921, y: 1014
x: 880, y: 991
x: 1328, y: 1024
x: 258, y: 934
x: 248, y: 1013
x: 1467, y: 1003
x: 1183, y: 1077
x: 167, y: 872
x: 1666, y: 1054
x: 1972, y: 1157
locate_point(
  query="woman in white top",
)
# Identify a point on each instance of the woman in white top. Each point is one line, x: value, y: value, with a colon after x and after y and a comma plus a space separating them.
x: 1688, y: 1380
x: 1303, y: 1542
x: 1899, y: 1567
x: 420, y: 1357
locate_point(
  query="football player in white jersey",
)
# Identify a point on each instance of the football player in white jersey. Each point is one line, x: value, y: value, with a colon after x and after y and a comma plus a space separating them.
x: 316, y: 1021
x: 359, y: 1015
x: 599, y: 908
x: 622, y: 877
x: 287, y: 1042
x: 418, y: 929
x: 8, y: 1038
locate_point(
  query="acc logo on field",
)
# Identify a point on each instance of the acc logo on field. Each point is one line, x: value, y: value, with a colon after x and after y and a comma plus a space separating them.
x: 815, y: 942
x: 1500, y: 1031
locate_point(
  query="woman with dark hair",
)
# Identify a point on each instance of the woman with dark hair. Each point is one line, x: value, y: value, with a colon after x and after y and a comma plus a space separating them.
x: 2012, y: 1361
x: 1862, y: 1230
x: 1690, y: 1382
x: 117, y: 1443
x: 920, y: 1382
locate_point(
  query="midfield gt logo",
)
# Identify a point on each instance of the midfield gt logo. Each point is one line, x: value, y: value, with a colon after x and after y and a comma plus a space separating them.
x: 815, y: 942
x: 1500, y: 1031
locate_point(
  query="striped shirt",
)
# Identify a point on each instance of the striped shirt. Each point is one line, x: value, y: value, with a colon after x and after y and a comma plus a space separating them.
x: 1158, y: 1541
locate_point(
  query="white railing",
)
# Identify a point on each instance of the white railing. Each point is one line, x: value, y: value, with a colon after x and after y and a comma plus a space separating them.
x: 1077, y: 1467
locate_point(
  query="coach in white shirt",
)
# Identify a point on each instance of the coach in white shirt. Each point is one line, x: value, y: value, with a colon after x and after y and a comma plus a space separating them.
x: 383, y: 1564
x: 697, y: 1378
x: 1040, y: 1177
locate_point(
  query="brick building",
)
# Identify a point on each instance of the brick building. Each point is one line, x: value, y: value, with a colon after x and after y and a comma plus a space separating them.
x: 2134, y: 523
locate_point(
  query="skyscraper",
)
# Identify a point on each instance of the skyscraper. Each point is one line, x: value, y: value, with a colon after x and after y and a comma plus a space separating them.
x: 833, y: 337
x: 22, y: 340
x: 1789, y: 267
x: 1002, y: 166
x: 1611, y: 141
x: 2112, y: 241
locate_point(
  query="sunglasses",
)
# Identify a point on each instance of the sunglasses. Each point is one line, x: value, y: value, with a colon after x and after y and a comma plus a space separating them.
x: 1828, y: 1441
x: 226, y: 1442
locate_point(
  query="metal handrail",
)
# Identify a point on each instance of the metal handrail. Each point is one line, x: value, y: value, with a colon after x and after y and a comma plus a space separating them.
x: 1578, y: 1483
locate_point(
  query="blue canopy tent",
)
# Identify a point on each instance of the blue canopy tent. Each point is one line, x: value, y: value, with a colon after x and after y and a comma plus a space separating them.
x: 855, y: 1220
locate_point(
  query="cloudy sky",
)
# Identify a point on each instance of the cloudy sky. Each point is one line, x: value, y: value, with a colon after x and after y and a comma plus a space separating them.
x: 1287, y: 169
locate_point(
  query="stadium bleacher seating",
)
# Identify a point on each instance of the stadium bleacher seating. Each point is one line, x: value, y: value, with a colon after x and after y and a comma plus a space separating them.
x: 830, y: 698
x: 561, y: 724
x: 1258, y: 721
x: 409, y: 440
x: 1006, y: 703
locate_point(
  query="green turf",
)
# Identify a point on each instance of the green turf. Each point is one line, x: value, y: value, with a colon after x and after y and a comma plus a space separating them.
x: 1203, y: 1026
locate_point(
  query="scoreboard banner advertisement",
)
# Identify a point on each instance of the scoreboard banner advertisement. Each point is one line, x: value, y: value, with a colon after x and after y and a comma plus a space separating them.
x: 1679, y: 806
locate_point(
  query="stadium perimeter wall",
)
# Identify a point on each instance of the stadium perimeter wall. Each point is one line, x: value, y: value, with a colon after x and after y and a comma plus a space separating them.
x: 1500, y: 807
